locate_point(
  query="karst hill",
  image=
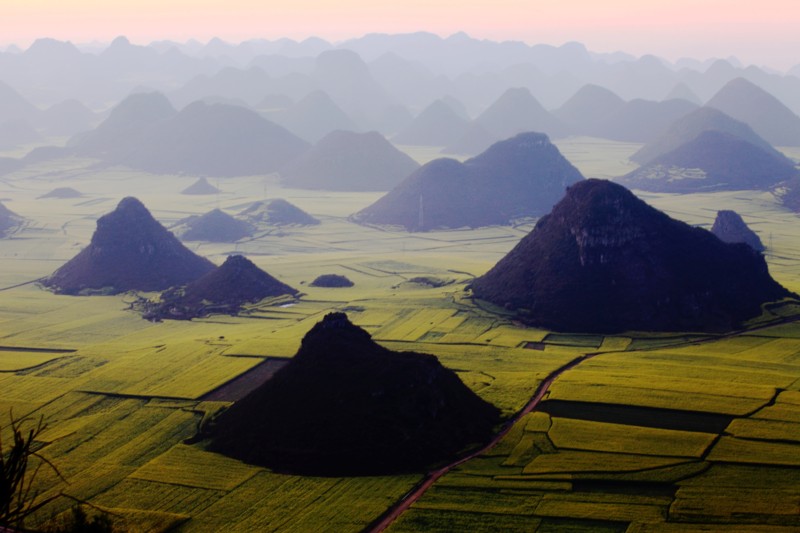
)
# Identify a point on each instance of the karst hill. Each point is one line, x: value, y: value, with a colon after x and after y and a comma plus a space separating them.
x: 516, y: 178
x: 605, y: 261
x: 129, y: 250
x: 345, y: 405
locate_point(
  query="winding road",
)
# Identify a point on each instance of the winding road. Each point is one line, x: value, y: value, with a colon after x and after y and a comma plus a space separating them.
x: 432, y: 477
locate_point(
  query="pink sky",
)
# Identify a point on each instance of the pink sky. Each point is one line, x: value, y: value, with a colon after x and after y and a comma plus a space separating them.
x: 765, y: 32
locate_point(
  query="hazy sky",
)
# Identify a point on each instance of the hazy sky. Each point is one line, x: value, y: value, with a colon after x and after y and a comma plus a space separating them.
x: 764, y: 32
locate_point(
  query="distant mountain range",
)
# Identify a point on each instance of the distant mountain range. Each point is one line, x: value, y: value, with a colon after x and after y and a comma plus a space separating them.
x: 411, y: 69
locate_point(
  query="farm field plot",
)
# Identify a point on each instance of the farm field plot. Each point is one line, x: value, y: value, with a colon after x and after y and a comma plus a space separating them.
x: 121, y: 395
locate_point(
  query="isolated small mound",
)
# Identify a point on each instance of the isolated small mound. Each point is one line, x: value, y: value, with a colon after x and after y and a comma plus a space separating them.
x: 200, y: 187
x: 276, y: 212
x: 62, y: 193
x: 332, y: 281
x: 345, y: 405
x: 516, y: 178
x: 347, y: 161
x: 605, y: 261
x: 8, y: 221
x: 730, y: 227
x: 712, y: 161
x: 223, y: 290
x: 214, y: 226
x: 129, y: 250
x: 690, y: 126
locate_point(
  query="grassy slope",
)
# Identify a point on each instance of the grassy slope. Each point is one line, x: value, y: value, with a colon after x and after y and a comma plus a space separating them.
x: 124, y: 393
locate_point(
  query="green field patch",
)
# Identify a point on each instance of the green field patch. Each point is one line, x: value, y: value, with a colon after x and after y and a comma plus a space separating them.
x: 661, y: 341
x: 738, y: 505
x: 735, y: 450
x: 752, y: 428
x: 465, y: 499
x: 755, y: 477
x: 613, y: 507
x: 637, y: 416
x: 511, y: 482
x: 574, y: 525
x: 615, y: 344
x: 193, y: 467
x: 156, y: 496
x: 505, y: 335
x: 584, y: 435
x: 438, y: 520
x: 129, y: 520
x: 270, y: 502
x: 573, y: 461
x: 529, y: 446
x: 580, y: 341
x: 667, y: 527
x: 13, y: 360
x: 583, y: 391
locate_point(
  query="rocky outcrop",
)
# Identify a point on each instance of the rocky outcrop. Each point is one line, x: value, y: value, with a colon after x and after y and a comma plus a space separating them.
x: 730, y: 227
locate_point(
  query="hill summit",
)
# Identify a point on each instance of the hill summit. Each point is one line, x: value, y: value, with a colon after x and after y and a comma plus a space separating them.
x: 605, y: 261
x: 129, y: 250
x: 345, y: 405
x: 519, y: 177
x: 223, y: 290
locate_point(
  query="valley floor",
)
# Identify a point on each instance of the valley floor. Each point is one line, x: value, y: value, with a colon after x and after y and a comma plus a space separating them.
x: 653, y: 433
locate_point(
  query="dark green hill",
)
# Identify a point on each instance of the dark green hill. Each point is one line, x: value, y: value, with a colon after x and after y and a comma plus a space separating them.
x: 768, y: 116
x: 345, y: 405
x: 332, y: 280
x: 690, y: 126
x: 129, y: 250
x: 516, y: 178
x: 347, y: 161
x: 604, y: 261
x: 712, y: 161
x: 223, y: 290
